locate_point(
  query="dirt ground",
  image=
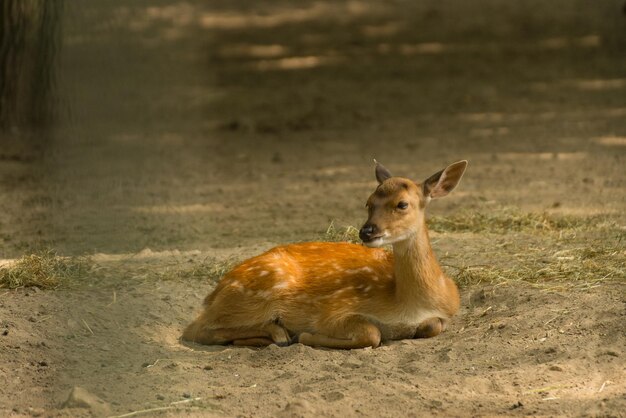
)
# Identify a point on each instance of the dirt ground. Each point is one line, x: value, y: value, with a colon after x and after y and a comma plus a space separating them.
x: 190, y: 131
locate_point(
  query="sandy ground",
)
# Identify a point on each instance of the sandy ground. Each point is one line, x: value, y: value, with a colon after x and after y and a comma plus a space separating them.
x: 185, y: 131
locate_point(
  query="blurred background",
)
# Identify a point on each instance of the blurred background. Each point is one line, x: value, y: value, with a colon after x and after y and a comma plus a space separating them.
x: 197, y: 125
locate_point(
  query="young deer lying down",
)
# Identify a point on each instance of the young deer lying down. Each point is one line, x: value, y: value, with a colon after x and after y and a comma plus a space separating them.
x: 342, y: 295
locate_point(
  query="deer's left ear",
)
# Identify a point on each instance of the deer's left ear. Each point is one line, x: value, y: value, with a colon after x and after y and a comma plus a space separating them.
x: 382, y: 173
x: 444, y: 181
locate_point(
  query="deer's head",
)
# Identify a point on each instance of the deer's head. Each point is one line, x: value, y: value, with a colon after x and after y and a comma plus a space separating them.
x: 396, y: 208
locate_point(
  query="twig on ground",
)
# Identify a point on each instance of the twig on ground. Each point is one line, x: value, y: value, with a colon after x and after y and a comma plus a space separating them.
x: 88, y: 327
x: 172, y: 405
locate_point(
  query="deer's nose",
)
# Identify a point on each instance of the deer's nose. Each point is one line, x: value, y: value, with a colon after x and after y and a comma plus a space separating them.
x: 367, y: 231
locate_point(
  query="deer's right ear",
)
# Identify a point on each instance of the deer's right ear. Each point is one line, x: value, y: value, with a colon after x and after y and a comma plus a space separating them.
x: 382, y: 173
x: 444, y: 181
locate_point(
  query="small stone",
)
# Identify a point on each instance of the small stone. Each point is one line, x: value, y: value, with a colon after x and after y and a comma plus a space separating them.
x: 186, y: 395
x: 556, y: 368
x: 82, y: 398
x: 5, y: 332
x: 36, y: 412
x: 43, y: 363
x: 517, y: 405
x: 160, y: 397
x: 207, y: 367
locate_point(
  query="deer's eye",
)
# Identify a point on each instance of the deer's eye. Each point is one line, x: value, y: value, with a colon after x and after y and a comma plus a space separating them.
x: 403, y: 205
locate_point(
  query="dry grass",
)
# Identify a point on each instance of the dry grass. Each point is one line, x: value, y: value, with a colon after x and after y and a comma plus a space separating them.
x: 208, y: 269
x: 578, y: 267
x: 498, y: 220
x: 346, y: 234
x: 45, y: 270
x: 505, y: 220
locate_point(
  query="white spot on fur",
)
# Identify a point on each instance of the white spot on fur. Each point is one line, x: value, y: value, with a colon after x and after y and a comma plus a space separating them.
x: 264, y: 273
x: 281, y: 285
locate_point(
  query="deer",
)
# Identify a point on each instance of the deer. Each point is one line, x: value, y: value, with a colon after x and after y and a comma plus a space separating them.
x: 338, y: 294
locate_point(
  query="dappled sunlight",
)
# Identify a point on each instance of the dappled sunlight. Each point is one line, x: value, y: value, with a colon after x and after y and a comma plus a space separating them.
x: 383, y: 30
x: 491, y: 117
x: 282, y: 16
x: 253, y: 51
x: 185, y: 15
x: 489, y: 132
x: 562, y: 156
x: 500, y: 117
x: 145, y: 254
x: 180, y: 209
x: 611, y: 141
x: 335, y: 170
x: 436, y: 47
x: 423, y: 48
x: 589, y: 41
x: 295, y: 63
x: 599, y: 85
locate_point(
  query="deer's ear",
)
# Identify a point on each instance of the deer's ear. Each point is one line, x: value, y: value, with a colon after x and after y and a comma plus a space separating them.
x: 382, y: 173
x: 444, y: 181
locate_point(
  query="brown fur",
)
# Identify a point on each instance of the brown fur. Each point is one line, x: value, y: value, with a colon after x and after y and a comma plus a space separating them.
x: 340, y: 295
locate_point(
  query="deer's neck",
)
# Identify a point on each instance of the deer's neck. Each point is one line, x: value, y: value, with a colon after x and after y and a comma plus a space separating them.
x: 417, y: 272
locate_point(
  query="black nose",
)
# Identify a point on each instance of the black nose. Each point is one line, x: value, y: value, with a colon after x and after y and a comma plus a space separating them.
x: 367, y: 231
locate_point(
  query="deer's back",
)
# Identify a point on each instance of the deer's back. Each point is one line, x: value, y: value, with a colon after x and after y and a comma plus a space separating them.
x: 315, y: 268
